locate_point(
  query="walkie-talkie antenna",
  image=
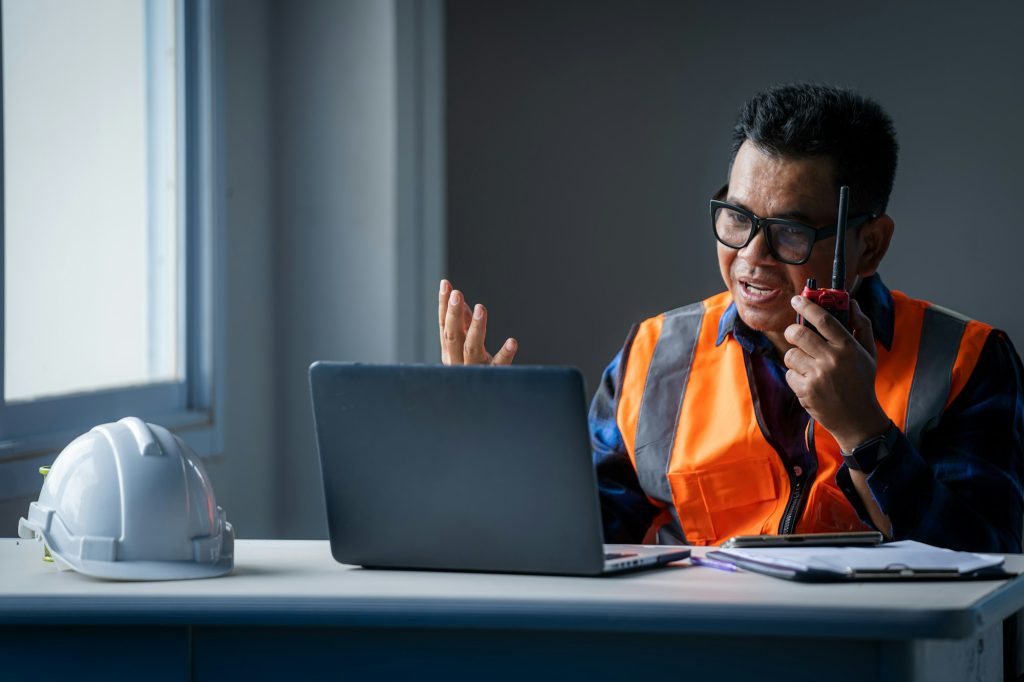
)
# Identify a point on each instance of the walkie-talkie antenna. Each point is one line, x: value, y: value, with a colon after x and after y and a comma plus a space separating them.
x: 839, y: 264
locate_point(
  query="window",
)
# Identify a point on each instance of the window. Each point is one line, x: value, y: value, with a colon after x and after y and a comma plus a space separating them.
x: 110, y: 174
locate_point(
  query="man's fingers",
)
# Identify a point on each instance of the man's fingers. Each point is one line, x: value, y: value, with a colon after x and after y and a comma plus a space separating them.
x: 506, y: 353
x: 798, y: 361
x: 797, y: 382
x: 828, y: 326
x: 454, y: 336
x: 474, y: 353
x: 442, y: 301
x: 467, y: 316
x: 862, y: 330
x: 442, y: 311
x: 463, y: 331
x: 806, y: 340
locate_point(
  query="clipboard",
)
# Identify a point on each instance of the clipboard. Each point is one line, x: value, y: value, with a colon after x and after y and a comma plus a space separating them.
x: 902, y: 561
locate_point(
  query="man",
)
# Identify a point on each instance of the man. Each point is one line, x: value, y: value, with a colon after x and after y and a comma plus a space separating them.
x: 725, y: 418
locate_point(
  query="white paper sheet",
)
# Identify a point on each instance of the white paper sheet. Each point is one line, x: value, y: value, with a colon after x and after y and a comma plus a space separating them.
x: 893, y: 556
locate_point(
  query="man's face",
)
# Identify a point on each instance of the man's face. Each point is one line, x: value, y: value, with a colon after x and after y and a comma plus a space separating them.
x: 796, y: 189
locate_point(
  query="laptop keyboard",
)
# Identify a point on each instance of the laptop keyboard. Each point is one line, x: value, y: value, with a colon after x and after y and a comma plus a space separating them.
x: 609, y: 556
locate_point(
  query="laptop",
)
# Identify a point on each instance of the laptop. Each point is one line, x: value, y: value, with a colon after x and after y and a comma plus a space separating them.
x: 463, y: 469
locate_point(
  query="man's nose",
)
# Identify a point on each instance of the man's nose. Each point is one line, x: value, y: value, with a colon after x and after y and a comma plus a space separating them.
x: 757, y: 250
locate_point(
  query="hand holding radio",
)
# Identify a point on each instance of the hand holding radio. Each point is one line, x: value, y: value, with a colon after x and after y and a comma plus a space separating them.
x: 832, y: 372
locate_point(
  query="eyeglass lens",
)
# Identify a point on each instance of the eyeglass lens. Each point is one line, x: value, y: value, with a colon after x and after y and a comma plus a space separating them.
x: 788, y: 242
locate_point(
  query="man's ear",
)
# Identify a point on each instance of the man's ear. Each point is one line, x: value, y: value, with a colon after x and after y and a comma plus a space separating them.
x: 874, y: 238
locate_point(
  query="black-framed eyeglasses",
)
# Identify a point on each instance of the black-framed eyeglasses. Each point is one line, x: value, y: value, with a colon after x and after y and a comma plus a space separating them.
x: 788, y: 241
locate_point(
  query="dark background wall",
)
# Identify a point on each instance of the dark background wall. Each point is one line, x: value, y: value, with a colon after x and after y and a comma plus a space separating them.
x: 584, y: 139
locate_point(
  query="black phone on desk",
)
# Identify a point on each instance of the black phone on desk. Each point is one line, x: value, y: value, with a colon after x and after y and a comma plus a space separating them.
x: 856, y: 539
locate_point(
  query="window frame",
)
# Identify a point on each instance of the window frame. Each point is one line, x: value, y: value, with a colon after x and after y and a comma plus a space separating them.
x: 32, y: 432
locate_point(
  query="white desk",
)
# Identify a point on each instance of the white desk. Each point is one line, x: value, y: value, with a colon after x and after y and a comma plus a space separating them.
x: 290, y: 609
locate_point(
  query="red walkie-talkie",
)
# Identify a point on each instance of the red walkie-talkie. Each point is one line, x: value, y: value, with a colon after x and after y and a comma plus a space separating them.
x: 837, y: 299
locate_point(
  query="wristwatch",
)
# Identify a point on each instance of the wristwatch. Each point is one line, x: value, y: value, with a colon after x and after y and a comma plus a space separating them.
x: 867, y: 456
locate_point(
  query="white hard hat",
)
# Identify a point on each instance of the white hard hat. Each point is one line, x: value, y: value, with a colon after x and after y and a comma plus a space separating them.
x: 131, y: 501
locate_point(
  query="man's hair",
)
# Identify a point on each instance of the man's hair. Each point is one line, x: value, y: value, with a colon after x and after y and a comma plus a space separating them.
x: 807, y: 120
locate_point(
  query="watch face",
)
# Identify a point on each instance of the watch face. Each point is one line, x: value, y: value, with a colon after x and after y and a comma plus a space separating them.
x: 866, y: 456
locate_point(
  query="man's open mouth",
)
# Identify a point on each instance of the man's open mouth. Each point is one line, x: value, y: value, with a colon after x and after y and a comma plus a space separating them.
x: 758, y: 291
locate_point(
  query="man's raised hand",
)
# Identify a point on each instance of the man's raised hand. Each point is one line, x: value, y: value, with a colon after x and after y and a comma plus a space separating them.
x: 463, y: 331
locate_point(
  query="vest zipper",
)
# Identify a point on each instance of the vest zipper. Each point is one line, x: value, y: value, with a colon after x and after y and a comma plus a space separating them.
x: 792, y: 513
x: 794, y: 508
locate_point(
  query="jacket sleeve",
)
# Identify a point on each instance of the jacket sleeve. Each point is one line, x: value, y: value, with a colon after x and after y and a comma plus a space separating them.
x: 963, y: 488
x: 625, y: 510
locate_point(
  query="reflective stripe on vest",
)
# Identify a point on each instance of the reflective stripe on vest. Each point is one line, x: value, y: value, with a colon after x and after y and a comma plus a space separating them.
x: 689, y: 423
x: 656, y: 425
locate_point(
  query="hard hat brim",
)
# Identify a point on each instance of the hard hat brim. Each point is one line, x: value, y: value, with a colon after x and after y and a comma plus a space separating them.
x: 135, y: 570
x: 149, y: 570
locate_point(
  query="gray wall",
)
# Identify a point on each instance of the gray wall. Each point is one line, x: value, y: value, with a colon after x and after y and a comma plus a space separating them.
x: 334, y: 237
x: 584, y: 139
x: 244, y: 477
x: 312, y: 251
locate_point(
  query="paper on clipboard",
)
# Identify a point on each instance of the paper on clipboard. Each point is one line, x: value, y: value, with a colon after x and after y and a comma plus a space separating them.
x: 905, y: 557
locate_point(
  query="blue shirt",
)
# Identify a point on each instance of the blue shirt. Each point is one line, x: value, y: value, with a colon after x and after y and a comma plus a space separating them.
x: 962, y: 489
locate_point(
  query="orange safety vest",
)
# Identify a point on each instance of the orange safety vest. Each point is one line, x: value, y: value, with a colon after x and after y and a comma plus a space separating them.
x: 689, y: 423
